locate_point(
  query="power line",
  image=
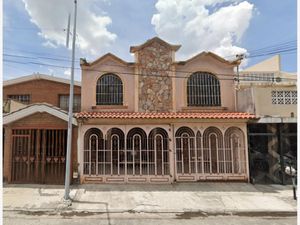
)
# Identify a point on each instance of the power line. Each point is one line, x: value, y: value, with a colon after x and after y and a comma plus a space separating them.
x: 127, y: 73
x: 32, y: 28
x: 38, y: 53
x: 271, y: 50
x: 104, y: 71
x: 156, y: 70
x: 40, y: 57
x: 270, y: 47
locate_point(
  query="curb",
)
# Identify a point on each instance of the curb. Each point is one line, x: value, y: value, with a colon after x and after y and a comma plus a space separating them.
x: 179, y: 213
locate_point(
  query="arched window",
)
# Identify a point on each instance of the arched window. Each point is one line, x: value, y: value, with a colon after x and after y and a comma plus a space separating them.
x: 213, y: 151
x: 136, y: 152
x: 93, y: 147
x: 185, y: 151
x: 235, y: 150
x: 116, y: 147
x: 109, y: 90
x: 203, y: 89
x: 158, y: 150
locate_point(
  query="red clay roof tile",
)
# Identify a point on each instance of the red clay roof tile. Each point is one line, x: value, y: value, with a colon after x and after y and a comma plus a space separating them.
x: 165, y: 115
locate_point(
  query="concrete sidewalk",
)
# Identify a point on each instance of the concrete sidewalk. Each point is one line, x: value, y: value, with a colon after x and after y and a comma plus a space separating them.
x: 207, y: 198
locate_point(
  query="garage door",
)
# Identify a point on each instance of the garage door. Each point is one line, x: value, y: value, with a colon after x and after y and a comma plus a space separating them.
x: 38, y: 155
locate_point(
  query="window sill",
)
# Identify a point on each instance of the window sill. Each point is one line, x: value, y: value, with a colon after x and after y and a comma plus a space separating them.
x: 203, y: 108
x: 95, y: 107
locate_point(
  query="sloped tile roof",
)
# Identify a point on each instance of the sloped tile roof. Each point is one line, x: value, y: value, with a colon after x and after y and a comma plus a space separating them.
x: 164, y: 115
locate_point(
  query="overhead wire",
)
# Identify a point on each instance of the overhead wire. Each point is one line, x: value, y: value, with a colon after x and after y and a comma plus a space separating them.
x: 133, y: 74
x: 56, y: 59
x: 282, y: 48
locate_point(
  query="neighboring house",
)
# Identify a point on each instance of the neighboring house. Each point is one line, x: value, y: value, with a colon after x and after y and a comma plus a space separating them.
x: 271, y: 95
x: 35, y: 126
x: 38, y: 88
x: 158, y: 120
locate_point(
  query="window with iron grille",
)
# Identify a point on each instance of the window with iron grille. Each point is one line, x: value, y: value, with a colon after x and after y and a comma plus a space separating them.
x: 64, y: 102
x: 203, y: 89
x: 284, y: 97
x: 20, y: 98
x: 109, y: 90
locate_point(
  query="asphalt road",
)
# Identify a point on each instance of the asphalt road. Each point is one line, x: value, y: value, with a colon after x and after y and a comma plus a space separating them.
x: 17, y: 218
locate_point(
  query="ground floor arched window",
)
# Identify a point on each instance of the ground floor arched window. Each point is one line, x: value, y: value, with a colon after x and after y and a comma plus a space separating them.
x: 213, y: 150
x: 235, y: 150
x: 158, y: 150
x: 93, y: 151
x: 185, y: 150
x: 115, y: 147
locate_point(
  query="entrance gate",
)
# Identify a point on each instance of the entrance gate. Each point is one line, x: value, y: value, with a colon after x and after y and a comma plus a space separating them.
x: 38, y: 156
x: 132, y: 158
x: 211, y: 156
x: 137, y: 157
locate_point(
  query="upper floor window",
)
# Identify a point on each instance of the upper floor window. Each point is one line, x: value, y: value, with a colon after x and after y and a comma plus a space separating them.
x: 64, y: 102
x: 25, y: 99
x: 109, y: 90
x: 203, y: 89
x: 284, y: 97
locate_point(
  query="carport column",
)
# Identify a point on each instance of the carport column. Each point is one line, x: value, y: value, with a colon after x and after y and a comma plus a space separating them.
x: 7, y: 160
x: 172, y: 152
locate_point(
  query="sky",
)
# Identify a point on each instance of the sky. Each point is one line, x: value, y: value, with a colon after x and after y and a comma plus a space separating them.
x: 34, y: 31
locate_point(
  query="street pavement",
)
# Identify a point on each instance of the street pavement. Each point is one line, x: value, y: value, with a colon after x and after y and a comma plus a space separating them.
x: 206, y: 198
x: 20, y: 218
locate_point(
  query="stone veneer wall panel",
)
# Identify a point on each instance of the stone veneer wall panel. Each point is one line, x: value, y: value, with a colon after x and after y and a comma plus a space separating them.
x: 155, y: 83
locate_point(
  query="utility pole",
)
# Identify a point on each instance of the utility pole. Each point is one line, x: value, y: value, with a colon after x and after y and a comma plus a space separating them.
x: 69, y: 141
x: 239, y: 57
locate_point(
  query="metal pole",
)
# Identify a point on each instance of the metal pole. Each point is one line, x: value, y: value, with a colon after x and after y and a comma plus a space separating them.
x: 69, y: 143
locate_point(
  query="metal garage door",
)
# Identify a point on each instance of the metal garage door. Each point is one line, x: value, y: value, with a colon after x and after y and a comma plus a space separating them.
x: 38, y: 156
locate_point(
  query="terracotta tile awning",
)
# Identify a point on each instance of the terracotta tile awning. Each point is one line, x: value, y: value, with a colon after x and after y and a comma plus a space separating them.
x: 165, y: 115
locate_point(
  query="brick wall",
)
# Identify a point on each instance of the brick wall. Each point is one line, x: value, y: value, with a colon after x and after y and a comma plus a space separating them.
x: 40, y: 91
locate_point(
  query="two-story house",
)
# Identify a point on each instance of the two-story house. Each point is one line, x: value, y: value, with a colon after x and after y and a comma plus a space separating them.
x: 271, y: 95
x: 158, y: 120
x: 35, y: 125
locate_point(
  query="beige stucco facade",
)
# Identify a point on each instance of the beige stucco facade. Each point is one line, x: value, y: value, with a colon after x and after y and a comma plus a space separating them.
x: 167, y: 90
x: 102, y: 66
x: 205, y: 62
x: 255, y: 96
x: 124, y: 150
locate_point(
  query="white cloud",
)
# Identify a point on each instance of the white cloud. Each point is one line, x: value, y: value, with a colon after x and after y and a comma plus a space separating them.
x: 67, y: 72
x: 49, y: 44
x: 51, y: 17
x: 203, y: 25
